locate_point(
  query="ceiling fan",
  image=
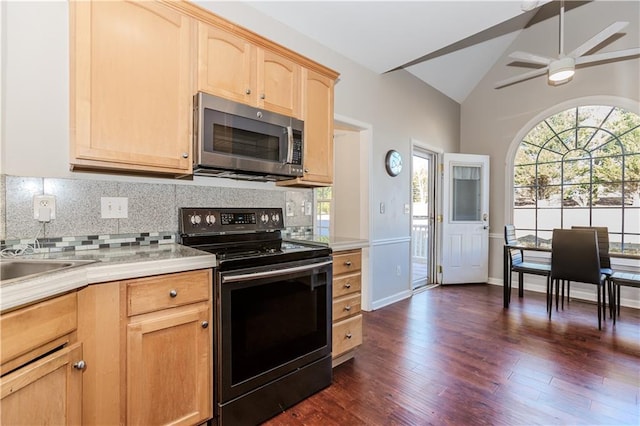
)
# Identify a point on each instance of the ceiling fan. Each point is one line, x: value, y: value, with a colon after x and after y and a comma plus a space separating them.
x: 562, y: 68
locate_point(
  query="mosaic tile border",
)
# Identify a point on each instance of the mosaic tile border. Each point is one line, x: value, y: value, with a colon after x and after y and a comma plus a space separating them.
x: 91, y: 242
x: 298, y: 232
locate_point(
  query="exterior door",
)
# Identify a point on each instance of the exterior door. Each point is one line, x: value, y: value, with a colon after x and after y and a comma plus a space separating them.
x: 423, y: 179
x: 465, y: 219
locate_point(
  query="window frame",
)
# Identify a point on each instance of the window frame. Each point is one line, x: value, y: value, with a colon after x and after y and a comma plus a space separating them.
x: 510, y: 165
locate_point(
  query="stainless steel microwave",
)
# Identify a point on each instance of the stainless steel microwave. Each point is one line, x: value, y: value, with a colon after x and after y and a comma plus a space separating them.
x: 238, y: 141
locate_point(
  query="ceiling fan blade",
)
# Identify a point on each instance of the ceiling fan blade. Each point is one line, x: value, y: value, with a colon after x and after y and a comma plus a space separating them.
x: 608, y: 55
x: 521, y: 77
x: 530, y: 57
x: 598, y: 38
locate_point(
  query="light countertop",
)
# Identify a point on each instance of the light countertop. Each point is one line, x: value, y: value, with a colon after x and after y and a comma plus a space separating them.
x: 111, y: 264
x: 336, y: 243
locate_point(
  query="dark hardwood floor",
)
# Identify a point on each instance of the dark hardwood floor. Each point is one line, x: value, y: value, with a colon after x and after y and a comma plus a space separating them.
x: 452, y: 355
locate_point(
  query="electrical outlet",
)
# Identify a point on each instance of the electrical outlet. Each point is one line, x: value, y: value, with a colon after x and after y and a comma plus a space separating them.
x: 44, y: 207
x: 382, y: 208
x: 114, y: 207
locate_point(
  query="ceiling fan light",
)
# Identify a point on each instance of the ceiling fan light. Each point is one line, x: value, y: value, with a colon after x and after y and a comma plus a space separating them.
x: 562, y: 69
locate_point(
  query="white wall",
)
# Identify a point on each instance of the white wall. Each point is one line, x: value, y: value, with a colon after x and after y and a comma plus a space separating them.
x: 493, y: 121
x: 397, y: 106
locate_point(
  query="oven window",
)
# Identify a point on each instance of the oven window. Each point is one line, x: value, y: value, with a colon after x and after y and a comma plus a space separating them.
x: 274, y: 323
x: 234, y: 135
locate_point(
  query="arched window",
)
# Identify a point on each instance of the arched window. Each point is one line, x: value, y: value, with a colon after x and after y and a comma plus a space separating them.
x: 580, y: 167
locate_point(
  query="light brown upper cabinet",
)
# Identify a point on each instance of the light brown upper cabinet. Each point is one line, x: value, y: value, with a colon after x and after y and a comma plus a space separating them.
x: 318, y: 132
x: 232, y: 67
x: 131, y: 86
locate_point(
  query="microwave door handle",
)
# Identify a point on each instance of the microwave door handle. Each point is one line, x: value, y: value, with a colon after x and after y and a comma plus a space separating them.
x: 290, y: 145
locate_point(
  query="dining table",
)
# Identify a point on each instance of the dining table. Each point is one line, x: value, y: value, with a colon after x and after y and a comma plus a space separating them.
x: 540, y: 247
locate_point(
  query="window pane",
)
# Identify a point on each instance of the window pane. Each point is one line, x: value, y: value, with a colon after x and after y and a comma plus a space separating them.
x: 607, y: 195
x: 609, y: 217
x: 607, y: 169
x: 576, y: 217
x: 524, y: 175
x: 577, y: 171
x: 576, y: 196
x: 539, y: 135
x: 525, y: 196
x: 549, y: 196
x: 593, y: 115
x: 466, y: 195
x: 551, y: 173
x: 632, y: 220
x: 549, y: 219
x: 632, y: 244
x: 527, y: 153
x: 524, y: 218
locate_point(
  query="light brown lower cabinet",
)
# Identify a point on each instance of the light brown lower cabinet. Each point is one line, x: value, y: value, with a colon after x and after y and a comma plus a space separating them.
x: 49, y: 391
x: 347, y: 315
x: 149, y: 341
x: 42, y: 364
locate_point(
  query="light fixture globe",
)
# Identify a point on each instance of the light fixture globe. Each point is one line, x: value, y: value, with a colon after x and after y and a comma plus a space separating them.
x: 562, y: 69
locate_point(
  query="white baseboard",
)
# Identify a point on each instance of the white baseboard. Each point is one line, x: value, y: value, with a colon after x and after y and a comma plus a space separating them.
x: 377, y: 304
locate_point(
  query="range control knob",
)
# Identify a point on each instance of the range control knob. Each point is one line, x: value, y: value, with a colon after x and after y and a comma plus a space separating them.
x: 275, y: 217
x: 211, y: 219
x: 196, y: 219
x: 264, y: 218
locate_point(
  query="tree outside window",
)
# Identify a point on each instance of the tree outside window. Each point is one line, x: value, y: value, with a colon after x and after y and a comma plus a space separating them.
x: 580, y: 167
x: 322, y: 217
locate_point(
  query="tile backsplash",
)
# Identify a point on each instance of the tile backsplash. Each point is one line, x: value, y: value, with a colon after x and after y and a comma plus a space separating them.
x: 152, y: 208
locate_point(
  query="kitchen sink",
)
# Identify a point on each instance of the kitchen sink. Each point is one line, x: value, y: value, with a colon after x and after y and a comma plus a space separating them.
x: 13, y: 269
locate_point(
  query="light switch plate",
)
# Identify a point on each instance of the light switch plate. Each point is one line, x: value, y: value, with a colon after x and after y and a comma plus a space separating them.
x: 114, y: 207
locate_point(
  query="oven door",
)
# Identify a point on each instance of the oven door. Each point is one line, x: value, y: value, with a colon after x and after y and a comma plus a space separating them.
x: 271, y: 321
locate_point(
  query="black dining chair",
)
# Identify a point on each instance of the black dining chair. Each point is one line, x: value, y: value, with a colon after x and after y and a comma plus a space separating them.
x: 520, y: 266
x: 622, y: 279
x: 575, y: 257
x: 602, y: 233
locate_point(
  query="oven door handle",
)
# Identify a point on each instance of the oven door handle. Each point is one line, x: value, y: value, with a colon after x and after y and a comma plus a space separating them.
x: 273, y: 273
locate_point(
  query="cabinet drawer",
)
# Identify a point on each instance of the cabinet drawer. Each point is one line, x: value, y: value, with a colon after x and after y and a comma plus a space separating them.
x: 346, y: 284
x: 347, y: 335
x: 343, y: 262
x: 167, y: 291
x: 346, y: 306
x: 31, y: 328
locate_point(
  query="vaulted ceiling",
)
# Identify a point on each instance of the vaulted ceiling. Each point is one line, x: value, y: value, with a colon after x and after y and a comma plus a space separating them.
x: 450, y: 45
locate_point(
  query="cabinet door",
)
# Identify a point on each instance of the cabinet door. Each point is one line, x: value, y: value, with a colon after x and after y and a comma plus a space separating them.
x: 169, y: 367
x: 226, y: 65
x: 48, y: 391
x: 279, y: 83
x: 318, y: 129
x: 131, y: 90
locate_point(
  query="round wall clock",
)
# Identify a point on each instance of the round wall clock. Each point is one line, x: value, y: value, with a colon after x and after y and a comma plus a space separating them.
x: 393, y: 162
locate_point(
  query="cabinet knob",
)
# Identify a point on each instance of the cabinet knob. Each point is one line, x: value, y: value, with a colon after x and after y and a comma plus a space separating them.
x: 347, y: 308
x: 347, y: 285
x: 185, y: 155
x: 306, y: 170
x: 80, y: 365
x: 173, y: 293
x: 349, y: 336
x: 262, y: 96
x: 248, y: 91
x: 347, y: 263
x: 205, y: 324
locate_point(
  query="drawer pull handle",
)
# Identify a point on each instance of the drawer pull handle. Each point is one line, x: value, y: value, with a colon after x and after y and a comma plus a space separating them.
x: 347, y: 308
x: 349, y: 336
x: 80, y: 365
x: 348, y: 263
x: 205, y: 324
x: 347, y: 285
x: 248, y: 91
x: 173, y: 293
